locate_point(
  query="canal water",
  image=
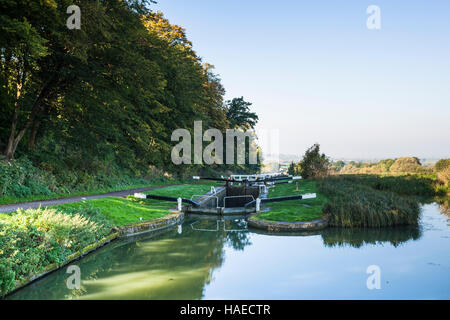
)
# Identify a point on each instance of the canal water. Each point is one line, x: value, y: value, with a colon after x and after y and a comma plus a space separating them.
x: 223, y: 259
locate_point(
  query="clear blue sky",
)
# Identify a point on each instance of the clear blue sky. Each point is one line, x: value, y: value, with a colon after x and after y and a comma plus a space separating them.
x: 315, y: 72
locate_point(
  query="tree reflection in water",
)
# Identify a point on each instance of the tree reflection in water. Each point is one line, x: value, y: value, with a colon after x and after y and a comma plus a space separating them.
x: 166, y: 265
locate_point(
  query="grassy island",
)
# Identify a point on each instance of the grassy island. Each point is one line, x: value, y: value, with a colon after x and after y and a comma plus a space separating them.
x: 294, y: 210
x: 355, y: 201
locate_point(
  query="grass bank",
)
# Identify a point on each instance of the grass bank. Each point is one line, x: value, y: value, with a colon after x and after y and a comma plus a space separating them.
x: 50, y: 196
x: 33, y: 239
x: 129, y: 210
x: 20, y: 181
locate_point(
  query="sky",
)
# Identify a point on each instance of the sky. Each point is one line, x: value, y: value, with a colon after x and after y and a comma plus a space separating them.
x: 315, y: 73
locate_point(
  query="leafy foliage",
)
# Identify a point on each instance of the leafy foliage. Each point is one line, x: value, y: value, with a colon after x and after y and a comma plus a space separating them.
x: 102, y: 101
x: 239, y: 115
x: 32, y: 239
x: 314, y: 164
x: 442, y: 165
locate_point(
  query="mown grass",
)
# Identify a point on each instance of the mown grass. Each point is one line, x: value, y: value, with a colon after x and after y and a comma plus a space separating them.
x: 361, y: 202
x: 293, y: 210
x: 182, y: 191
x: 124, y: 211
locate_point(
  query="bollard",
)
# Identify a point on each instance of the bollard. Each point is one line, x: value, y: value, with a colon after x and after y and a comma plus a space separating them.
x: 179, y: 201
x: 140, y: 196
x: 258, y: 204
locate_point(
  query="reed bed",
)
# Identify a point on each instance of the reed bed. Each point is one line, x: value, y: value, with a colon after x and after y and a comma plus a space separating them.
x: 355, y: 205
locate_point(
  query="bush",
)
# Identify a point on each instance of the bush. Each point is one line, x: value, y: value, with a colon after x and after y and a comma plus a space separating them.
x: 33, y: 239
x: 314, y: 164
x: 442, y: 165
x: 20, y: 178
x: 444, y: 176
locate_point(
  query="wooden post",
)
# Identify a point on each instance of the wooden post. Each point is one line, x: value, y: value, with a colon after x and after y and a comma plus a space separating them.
x: 258, y: 204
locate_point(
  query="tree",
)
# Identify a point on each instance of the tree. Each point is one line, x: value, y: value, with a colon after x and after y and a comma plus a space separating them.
x: 21, y: 48
x: 441, y: 165
x: 239, y: 115
x: 107, y: 97
x: 339, y: 165
x: 406, y: 165
x: 314, y: 164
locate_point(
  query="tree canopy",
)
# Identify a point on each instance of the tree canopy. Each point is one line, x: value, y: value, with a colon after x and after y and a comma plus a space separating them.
x: 107, y: 95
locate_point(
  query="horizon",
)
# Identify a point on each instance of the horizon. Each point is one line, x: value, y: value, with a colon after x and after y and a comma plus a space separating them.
x: 359, y: 93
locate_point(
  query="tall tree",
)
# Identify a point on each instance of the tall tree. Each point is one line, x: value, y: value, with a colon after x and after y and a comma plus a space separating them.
x: 239, y: 114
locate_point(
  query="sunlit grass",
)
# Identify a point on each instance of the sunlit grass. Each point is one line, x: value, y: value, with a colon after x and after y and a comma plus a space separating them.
x: 182, y: 191
x: 293, y: 210
x: 123, y: 211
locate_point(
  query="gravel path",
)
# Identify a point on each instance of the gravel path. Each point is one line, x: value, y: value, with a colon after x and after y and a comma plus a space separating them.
x: 46, y: 203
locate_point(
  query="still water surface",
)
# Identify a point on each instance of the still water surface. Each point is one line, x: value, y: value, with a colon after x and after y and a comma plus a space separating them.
x: 223, y: 259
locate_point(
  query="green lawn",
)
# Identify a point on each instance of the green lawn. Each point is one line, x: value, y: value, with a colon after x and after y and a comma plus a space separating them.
x: 183, y: 191
x: 293, y: 210
x: 123, y: 211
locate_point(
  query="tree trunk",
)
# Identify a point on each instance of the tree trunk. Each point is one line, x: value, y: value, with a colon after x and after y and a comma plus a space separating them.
x: 14, y: 140
x: 9, y: 151
x: 33, y: 133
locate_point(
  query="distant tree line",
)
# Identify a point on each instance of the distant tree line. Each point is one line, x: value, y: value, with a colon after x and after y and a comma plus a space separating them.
x: 402, y: 165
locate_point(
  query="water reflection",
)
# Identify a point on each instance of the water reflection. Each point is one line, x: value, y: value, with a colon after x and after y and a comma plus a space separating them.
x: 444, y: 205
x: 359, y: 237
x: 210, y: 258
x: 356, y: 237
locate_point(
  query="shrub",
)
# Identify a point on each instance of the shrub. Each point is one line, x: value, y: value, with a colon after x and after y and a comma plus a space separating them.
x: 442, y: 165
x: 444, y: 175
x: 19, y: 178
x: 31, y: 240
x: 314, y: 164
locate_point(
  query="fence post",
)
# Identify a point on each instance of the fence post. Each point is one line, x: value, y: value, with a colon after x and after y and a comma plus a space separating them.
x: 179, y: 201
x: 258, y: 204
